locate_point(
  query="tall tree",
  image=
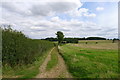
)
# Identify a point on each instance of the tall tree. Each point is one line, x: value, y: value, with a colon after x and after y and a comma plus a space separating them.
x: 60, y: 37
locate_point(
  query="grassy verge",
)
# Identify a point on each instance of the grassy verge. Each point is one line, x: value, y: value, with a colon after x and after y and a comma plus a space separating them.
x: 54, y: 60
x: 29, y: 71
x: 90, y: 63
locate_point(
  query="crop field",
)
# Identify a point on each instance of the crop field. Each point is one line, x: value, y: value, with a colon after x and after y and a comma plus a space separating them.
x: 91, y: 60
x: 94, y: 41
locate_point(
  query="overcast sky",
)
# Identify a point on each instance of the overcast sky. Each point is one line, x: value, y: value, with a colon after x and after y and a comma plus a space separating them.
x: 73, y: 17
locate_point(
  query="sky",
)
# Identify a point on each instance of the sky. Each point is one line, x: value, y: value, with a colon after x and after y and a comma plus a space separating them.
x: 75, y: 18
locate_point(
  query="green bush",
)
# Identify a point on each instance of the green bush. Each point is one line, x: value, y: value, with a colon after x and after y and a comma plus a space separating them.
x: 17, y: 49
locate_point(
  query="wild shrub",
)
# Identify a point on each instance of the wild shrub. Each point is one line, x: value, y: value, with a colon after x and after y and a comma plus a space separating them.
x: 17, y: 49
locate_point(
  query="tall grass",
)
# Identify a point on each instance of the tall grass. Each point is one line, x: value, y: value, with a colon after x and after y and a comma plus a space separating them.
x: 90, y: 63
x: 54, y: 59
x: 17, y: 49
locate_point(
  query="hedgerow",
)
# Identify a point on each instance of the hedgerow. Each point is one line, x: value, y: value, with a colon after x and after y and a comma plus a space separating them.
x: 17, y: 49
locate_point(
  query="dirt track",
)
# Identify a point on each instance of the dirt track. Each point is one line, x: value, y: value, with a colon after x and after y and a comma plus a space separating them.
x: 59, y: 71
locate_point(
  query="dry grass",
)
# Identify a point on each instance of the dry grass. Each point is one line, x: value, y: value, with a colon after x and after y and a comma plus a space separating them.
x: 93, y: 41
x: 113, y: 46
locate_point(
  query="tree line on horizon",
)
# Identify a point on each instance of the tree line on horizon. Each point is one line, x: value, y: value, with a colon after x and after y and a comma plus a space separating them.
x: 75, y: 40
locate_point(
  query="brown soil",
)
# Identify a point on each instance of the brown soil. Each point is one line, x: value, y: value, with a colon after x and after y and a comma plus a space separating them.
x: 59, y: 71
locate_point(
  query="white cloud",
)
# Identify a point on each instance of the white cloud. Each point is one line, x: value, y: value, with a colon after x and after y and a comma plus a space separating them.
x: 108, y: 19
x: 47, y: 28
x: 100, y: 0
x: 40, y: 20
x: 16, y: 8
x: 82, y: 12
x: 99, y: 8
x: 55, y: 19
x: 68, y: 27
x: 90, y: 15
x: 78, y: 12
x: 48, y: 7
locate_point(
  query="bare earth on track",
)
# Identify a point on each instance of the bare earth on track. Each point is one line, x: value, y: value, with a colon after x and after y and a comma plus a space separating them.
x: 59, y: 71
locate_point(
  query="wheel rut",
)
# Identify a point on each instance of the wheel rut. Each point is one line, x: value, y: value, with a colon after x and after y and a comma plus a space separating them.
x: 58, y: 71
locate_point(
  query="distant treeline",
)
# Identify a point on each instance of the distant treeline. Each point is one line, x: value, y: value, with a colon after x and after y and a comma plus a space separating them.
x: 75, y: 40
x: 95, y: 38
x: 66, y: 40
x: 17, y: 49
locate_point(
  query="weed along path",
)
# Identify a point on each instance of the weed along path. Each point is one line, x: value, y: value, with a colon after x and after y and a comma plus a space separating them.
x: 59, y: 70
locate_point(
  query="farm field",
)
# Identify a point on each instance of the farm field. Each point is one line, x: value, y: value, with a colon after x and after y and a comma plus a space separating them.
x: 91, y: 60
